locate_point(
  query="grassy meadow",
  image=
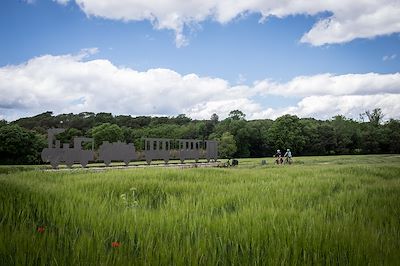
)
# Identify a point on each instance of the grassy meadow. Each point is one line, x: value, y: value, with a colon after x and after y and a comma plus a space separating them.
x: 319, y: 210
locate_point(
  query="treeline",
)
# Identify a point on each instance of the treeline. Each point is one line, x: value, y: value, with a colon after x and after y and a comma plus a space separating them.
x: 21, y: 141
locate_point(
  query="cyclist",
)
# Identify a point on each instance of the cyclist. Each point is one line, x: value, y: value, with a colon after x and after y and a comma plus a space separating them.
x: 278, y: 157
x: 288, y: 156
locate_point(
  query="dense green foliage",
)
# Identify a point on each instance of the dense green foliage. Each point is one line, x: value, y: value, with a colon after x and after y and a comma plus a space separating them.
x: 227, y: 145
x: 253, y: 138
x: 337, y: 210
x: 106, y: 132
x: 18, y: 145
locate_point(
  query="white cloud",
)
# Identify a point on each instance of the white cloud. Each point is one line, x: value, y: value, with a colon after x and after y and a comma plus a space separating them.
x: 62, y: 2
x: 67, y: 83
x: 349, y: 19
x: 74, y: 83
x: 204, y: 110
x: 376, y: 18
x: 329, y: 84
x: 241, y: 79
x: 389, y: 57
x: 327, y: 106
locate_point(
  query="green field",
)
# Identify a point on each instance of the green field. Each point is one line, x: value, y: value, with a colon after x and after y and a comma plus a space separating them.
x: 320, y: 210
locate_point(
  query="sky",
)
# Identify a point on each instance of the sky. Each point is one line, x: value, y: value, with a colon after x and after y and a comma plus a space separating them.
x: 266, y: 58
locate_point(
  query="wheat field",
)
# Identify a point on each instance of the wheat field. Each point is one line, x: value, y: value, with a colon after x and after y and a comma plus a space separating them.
x: 320, y: 210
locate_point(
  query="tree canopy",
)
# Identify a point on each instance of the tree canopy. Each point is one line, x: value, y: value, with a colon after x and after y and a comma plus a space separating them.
x: 19, y: 145
x: 237, y: 137
x: 106, y: 132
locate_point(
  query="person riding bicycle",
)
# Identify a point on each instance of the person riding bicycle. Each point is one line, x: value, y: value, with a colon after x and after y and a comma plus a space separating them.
x: 278, y: 157
x: 288, y: 156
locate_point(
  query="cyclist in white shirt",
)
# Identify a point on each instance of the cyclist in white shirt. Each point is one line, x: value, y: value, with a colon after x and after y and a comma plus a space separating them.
x: 288, y: 156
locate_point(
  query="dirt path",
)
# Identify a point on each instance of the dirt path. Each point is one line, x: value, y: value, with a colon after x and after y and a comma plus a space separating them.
x: 120, y: 167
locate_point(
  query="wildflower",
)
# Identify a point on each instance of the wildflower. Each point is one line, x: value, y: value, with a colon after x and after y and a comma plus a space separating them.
x: 40, y: 229
x: 115, y: 244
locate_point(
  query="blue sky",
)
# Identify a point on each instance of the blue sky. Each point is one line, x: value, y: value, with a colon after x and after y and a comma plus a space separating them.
x: 266, y: 69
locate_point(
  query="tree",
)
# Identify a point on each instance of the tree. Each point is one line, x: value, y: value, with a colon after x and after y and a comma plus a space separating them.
x: 375, y: 117
x: 370, y: 139
x: 310, y: 132
x: 190, y: 131
x: 393, y: 132
x: 171, y: 131
x: 20, y: 146
x: 214, y: 118
x: 3, y: 122
x: 286, y: 132
x: 155, y: 121
x: 142, y: 121
x: 45, y: 120
x: 106, y: 132
x: 326, y: 139
x: 227, y: 145
x: 346, y: 131
x: 202, y: 130
x: 68, y: 135
x: 102, y: 118
x: 240, y: 131
x: 182, y: 119
x: 82, y: 121
x: 254, y: 138
x: 375, y: 137
x: 237, y: 115
x: 129, y: 134
x: 205, y: 129
x: 125, y: 121
x: 258, y: 144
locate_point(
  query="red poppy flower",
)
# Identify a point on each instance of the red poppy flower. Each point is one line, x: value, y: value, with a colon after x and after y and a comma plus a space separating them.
x: 115, y: 244
x: 40, y: 229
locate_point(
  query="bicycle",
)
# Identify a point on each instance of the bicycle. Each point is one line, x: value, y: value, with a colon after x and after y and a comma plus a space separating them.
x: 288, y: 160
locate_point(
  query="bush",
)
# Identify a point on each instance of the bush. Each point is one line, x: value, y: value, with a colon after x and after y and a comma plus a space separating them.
x: 20, y: 146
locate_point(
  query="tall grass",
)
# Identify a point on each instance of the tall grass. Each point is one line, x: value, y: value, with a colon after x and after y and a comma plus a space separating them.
x: 320, y: 210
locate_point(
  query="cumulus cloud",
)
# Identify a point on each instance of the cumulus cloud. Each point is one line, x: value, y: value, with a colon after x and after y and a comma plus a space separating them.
x: 327, y: 106
x: 348, y: 20
x: 75, y: 83
x: 68, y: 83
x: 329, y: 84
x: 374, y: 19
